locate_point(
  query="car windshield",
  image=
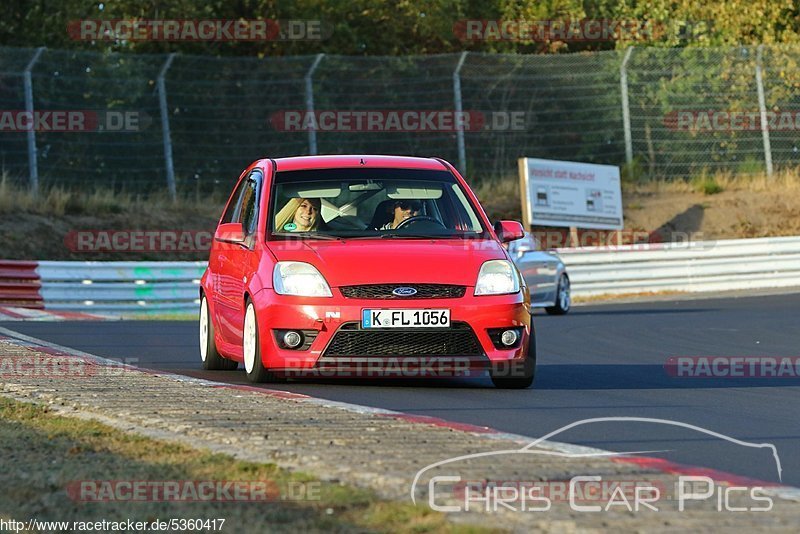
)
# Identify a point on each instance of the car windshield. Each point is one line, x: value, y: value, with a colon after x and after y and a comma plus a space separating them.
x: 355, y: 202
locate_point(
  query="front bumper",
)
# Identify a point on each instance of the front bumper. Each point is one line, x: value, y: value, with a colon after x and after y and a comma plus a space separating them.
x: 337, y: 316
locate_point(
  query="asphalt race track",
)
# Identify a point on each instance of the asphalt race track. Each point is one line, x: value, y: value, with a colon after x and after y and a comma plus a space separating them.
x: 598, y: 361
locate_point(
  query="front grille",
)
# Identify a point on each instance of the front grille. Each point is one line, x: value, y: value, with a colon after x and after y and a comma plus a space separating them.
x: 384, y: 291
x: 458, y: 340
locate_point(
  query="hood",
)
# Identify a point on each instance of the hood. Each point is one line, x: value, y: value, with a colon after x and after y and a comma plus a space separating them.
x: 392, y: 261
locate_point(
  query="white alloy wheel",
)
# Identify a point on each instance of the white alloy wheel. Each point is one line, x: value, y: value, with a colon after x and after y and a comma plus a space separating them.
x: 249, y: 338
x: 204, y: 329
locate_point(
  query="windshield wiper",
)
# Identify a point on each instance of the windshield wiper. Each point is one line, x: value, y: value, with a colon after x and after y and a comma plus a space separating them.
x: 315, y: 235
x: 411, y: 236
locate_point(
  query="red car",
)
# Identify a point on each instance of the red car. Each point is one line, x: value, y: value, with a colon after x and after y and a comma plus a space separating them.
x: 353, y: 265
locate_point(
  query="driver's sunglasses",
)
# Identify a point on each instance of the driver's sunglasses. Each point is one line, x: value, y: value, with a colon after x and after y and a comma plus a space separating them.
x: 413, y: 206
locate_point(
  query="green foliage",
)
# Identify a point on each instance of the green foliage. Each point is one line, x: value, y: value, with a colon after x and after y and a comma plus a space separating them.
x: 633, y: 172
x: 400, y: 27
x: 706, y: 184
x: 220, y: 107
x: 751, y: 166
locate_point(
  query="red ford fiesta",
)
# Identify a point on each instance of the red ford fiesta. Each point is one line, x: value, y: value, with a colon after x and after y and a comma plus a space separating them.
x: 353, y: 265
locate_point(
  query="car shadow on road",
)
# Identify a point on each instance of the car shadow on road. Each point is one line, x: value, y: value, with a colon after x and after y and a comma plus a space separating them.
x: 548, y: 377
x: 239, y: 378
x: 627, y: 376
x: 637, y: 311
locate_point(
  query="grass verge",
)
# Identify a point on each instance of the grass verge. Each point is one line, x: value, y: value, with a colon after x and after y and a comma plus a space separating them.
x: 43, y: 453
x: 734, y: 206
x: 787, y: 180
x: 57, y: 201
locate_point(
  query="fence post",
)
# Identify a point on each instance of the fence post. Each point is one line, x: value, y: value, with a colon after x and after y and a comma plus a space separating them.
x: 162, y: 104
x: 27, y: 80
x: 312, y: 132
x: 626, y: 111
x: 462, y: 150
x: 762, y: 106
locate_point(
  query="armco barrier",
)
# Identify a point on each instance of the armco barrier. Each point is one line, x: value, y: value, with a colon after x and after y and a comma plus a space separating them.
x: 121, y: 286
x: 691, y: 266
x: 173, y: 286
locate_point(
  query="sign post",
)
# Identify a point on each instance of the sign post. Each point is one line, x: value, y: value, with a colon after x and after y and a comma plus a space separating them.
x: 574, y: 240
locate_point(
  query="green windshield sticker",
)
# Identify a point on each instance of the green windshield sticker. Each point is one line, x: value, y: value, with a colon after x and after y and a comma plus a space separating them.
x: 290, y: 227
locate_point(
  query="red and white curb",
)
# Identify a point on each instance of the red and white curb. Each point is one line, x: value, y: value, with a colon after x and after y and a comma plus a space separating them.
x: 30, y: 314
x: 658, y: 464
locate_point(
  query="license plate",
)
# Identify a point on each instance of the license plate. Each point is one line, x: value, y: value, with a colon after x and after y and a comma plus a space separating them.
x: 405, y: 318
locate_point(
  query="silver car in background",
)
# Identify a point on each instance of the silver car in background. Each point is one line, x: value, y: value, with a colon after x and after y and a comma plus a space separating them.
x: 545, y: 274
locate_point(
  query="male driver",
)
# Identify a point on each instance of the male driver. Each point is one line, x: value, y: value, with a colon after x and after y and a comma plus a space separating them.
x: 403, y: 209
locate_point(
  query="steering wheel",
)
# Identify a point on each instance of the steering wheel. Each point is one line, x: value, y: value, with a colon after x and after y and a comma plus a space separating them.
x: 416, y: 220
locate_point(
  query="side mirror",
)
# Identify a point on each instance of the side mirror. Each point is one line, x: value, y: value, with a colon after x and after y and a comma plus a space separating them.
x: 508, y: 231
x: 230, y: 233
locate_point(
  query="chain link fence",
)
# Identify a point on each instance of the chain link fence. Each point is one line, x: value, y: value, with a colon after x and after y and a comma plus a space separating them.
x: 659, y: 113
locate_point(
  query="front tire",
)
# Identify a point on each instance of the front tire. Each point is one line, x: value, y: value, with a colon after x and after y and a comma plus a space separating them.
x: 251, y: 348
x: 511, y: 376
x: 209, y: 355
x: 563, y: 297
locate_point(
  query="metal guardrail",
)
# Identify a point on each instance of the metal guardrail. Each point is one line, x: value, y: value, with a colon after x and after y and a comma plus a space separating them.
x: 694, y: 266
x: 121, y: 286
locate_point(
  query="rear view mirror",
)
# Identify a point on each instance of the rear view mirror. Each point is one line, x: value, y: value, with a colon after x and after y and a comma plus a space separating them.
x: 508, y: 231
x: 421, y: 191
x: 230, y: 233
x: 370, y: 186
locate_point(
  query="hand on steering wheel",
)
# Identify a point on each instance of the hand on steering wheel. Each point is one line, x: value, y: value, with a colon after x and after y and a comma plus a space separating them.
x: 417, y: 219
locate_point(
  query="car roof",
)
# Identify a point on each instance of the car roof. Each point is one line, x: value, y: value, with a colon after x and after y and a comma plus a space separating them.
x: 298, y: 163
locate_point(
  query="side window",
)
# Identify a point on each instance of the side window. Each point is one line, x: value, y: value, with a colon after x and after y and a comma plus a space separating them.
x: 466, y: 221
x: 446, y: 208
x: 228, y: 216
x: 248, y: 213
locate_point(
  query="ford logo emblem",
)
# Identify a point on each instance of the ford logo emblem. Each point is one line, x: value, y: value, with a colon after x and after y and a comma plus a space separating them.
x: 404, y: 292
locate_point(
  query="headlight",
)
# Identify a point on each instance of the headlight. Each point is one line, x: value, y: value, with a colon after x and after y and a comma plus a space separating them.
x: 497, y: 277
x: 299, y: 279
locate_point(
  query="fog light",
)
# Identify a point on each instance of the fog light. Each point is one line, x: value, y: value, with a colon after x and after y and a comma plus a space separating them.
x: 509, y: 337
x: 292, y: 339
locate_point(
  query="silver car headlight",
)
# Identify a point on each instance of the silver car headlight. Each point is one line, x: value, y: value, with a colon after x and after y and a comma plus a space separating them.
x: 299, y: 279
x: 497, y: 277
